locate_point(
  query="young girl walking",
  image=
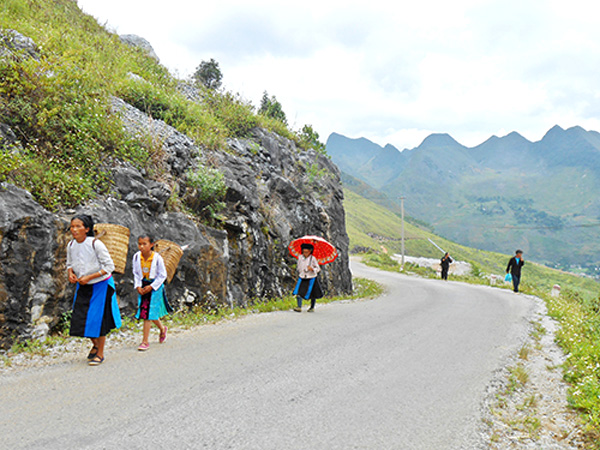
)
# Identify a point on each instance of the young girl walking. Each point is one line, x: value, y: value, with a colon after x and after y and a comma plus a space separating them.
x: 308, y: 286
x: 95, y: 307
x: 149, y: 274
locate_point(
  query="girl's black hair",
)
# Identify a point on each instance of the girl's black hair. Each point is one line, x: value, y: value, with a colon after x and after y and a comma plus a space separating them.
x: 88, y: 222
x: 146, y: 235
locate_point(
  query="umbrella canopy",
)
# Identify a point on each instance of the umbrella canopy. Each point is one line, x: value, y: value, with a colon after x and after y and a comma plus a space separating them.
x: 324, y: 251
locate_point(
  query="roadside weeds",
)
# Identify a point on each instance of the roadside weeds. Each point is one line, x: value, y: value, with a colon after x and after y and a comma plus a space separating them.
x: 526, y: 407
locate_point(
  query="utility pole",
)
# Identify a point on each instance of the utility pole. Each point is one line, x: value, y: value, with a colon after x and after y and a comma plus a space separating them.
x: 402, y: 213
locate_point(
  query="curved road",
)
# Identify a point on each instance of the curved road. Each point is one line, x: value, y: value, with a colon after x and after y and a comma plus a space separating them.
x: 408, y: 370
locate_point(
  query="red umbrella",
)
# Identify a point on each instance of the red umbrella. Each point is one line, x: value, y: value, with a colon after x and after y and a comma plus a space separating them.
x: 324, y: 251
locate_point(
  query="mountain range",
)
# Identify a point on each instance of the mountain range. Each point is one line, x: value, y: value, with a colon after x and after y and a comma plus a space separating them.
x: 505, y: 193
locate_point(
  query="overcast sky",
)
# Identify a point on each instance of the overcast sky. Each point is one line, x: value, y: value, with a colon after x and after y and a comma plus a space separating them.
x: 392, y: 72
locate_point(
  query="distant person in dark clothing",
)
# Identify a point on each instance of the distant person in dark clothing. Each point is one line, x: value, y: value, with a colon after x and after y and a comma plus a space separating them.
x: 514, y: 267
x: 445, y: 263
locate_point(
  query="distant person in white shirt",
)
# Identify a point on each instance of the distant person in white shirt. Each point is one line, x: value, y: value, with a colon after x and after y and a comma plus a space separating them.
x: 308, y: 286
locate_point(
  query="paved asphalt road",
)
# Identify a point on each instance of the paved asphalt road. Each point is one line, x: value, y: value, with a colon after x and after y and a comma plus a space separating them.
x: 405, y: 371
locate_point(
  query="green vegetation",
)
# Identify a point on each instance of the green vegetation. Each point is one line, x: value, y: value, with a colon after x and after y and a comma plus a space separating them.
x: 579, y: 336
x: 310, y: 139
x: 381, y: 261
x: 577, y: 309
x: 210, y: 188
x: 60, y: 105
x: 209, y: 74
x: 270, y: 107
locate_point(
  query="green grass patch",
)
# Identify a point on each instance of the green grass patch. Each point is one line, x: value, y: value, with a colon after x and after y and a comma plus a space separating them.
x: 381, y: 261
x: 579, y: 337
x: 59, y: 106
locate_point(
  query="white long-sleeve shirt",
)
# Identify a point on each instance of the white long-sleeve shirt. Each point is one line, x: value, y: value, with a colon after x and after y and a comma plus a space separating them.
x: 305, y: 263
x: 158, y: 271
x: 89, y: 257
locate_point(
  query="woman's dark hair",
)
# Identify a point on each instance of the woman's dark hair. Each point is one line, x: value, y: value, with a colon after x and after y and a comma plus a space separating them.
x: 148, y: 236
x: 308, y: 246
x: 88, y: 222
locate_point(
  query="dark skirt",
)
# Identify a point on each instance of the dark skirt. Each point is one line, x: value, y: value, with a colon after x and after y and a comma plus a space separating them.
x: 154, y: 304
x: 308, y: 288
x: 95, y: 309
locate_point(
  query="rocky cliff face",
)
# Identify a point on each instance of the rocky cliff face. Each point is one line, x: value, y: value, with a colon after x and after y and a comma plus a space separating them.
x: 274, y: 193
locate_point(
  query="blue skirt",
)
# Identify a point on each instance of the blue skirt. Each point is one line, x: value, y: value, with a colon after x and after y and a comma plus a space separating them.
x: 95, y: 309
x: 308, y: 288
x: 153, y: 305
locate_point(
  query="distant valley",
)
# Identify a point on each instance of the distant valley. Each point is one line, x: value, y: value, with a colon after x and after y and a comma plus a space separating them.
x: 505, y: 193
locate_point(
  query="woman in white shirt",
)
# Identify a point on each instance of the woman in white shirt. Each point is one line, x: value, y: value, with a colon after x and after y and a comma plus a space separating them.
x: 308, y: 286
x: 95, y: 307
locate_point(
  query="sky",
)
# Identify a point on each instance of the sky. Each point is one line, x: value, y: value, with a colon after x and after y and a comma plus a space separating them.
x: 391, y: 72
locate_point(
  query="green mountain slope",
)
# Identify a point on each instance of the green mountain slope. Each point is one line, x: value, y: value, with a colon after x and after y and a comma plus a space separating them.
x: 507, y: 192
x: 371, y: 225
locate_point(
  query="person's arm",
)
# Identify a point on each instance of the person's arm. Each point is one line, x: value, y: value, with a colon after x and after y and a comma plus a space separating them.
x: 136, y: 268
x: 315, y: 264
x: 450, y: 260
x: 71, y: 275
x: 161, y: 272
x: 509, y: 265
x: 106, y: 263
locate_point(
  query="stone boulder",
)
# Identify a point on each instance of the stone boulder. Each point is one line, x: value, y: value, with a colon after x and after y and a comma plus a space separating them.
x: 33, y: 286
x: 139, y: 42
x: 15, y: 45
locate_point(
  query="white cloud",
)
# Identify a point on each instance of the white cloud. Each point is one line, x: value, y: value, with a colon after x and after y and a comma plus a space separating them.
x: 390, y: 73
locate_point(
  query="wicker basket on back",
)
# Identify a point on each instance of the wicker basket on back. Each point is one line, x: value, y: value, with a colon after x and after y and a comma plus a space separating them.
x: 116, y: 239
x: 171, y: 253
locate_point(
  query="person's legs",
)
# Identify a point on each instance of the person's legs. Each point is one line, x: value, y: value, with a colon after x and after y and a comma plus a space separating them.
x: 146, y: 335
x: 299, y: 303
x: 159, y: 325
x: 444, y: 274
x: 313, y: 301
x: 516, y: 281
x: 99, y: 356
x: 163, y: 330
x: 94, y: 349
x: 100, y: 341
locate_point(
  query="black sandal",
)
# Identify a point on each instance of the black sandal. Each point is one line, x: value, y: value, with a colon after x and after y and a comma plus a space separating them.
x: 92, y: 353
x: 96, y: 361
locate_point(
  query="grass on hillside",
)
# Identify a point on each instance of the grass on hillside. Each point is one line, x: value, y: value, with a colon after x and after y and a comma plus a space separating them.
x: 577, y: 309
x: 59, y: 106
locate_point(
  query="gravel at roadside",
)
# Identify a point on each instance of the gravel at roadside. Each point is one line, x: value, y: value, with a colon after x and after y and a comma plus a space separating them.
x: 532, y: 414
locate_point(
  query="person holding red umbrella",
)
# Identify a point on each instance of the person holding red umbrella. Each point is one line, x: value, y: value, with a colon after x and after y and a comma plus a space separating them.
x: 308, y: 286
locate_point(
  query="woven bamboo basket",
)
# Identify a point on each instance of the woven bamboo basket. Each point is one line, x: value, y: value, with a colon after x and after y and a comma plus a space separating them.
x: 116, y: 239
x: 171, y: 253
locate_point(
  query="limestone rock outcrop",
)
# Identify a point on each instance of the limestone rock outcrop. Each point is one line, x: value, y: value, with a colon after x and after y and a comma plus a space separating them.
x: 139, y: 42
x: 275, y: 192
